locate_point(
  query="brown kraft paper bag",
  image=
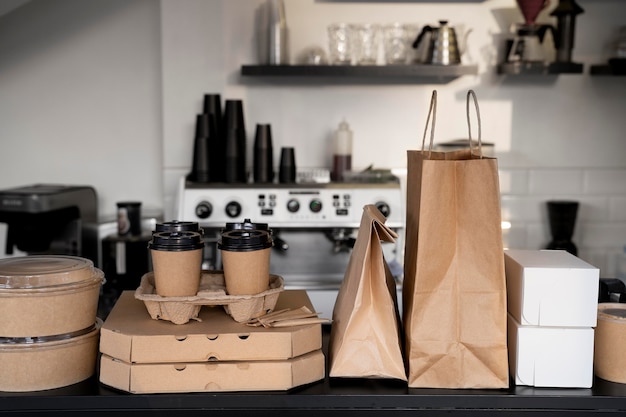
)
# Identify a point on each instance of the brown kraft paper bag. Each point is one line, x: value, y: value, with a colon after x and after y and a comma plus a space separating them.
x: 454, y: 289
x: 365, y: 334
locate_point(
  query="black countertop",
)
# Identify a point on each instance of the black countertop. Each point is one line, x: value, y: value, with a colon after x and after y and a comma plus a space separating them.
x: 330, y: 396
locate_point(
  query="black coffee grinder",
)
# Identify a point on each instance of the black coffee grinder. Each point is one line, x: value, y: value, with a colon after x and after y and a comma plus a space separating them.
x: 48, y: 219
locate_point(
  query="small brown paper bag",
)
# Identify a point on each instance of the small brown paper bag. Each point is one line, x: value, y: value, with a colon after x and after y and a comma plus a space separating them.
x: 454, y: 289
x: 365, y: 334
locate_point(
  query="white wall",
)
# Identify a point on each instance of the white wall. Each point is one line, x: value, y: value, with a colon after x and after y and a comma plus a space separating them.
x: 106, y: 92
x: 80, y: 99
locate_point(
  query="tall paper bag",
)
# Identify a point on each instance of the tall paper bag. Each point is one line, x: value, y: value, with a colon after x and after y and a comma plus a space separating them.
x: 365, y: 335
x: 454, y: 289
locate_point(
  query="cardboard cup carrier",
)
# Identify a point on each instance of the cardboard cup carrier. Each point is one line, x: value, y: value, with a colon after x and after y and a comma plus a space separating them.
x: 48, y: 326
x: 245, y: 249
x: 177, y: 262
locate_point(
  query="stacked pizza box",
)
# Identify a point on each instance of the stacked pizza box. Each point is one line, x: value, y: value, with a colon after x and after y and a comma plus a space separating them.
x: 209, y: 354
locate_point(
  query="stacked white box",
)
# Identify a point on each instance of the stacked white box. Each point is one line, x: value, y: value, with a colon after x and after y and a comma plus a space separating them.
x: 553, y: 305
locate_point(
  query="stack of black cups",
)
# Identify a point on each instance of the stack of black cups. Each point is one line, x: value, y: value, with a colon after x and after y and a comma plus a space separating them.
x: 220, y: 147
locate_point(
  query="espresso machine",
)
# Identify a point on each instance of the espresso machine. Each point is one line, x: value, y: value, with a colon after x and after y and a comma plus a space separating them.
x: 50, y: 219
x: 528, y: 50
x: 314, y: 226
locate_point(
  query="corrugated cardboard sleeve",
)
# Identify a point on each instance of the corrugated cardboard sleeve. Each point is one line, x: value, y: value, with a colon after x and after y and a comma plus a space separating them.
x: 180, y: 310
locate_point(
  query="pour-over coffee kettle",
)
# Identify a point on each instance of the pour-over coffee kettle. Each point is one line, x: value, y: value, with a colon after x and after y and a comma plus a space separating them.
x: 444, y: 47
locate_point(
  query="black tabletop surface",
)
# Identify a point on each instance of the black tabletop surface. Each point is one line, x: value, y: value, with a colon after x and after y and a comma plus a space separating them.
x: 331, y: 396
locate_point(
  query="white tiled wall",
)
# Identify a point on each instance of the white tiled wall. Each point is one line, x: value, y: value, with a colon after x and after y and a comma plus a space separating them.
x: 600, y: 232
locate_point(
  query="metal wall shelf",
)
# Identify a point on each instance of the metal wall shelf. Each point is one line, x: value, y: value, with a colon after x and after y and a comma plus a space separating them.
x: 414, y: 73
x: 540, y: 68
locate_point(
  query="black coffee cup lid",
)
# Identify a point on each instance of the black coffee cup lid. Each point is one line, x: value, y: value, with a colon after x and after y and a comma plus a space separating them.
x: 176, y: 241
x: 239, y: 240
x: 247, y: 225
x: 178, y: 226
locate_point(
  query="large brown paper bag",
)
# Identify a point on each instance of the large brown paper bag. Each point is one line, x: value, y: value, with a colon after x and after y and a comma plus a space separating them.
x: 454, y: 289
x: 365, y: 334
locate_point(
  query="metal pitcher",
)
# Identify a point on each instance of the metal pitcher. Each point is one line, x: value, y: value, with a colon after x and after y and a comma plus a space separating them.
x: 444, y: 47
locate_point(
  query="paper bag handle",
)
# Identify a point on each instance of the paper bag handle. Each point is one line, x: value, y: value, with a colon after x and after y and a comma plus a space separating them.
x: 471, y: 93
x: 432, y: 111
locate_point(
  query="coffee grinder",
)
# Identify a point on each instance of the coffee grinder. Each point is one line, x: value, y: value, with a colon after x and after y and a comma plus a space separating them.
x: 51, y: 219
x: 526, y: 51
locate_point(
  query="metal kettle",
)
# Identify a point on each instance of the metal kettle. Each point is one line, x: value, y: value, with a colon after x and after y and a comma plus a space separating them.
x: 444, y: 47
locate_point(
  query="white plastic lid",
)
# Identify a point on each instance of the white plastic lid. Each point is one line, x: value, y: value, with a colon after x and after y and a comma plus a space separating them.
x: 42, y: 271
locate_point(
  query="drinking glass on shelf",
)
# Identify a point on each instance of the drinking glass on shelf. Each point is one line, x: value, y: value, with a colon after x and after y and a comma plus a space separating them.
x: 366, y: 43
x: 340, y: 40
x: 398, y: 38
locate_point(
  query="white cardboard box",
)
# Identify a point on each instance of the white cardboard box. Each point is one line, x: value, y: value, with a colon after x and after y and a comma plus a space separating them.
x: 551, y: 288
x: 542, y: 356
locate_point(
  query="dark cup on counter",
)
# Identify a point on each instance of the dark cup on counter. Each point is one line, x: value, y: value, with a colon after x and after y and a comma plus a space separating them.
x: 235, y: 137
x: 201, y: 163
x: 177, y: 262
x: 263, y: 162
x: 246, y: 260
x: 287, y: 167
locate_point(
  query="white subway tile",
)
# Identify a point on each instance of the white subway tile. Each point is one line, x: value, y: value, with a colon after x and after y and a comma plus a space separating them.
x: 515, y: 237
x: 523, y: 208
x: 617, y: 209
x: 556, y: 181
x: 537, y: 236
x: 592, y: 208
x: 605, y: 181
x: 599, y: 235
x: 513, y: 181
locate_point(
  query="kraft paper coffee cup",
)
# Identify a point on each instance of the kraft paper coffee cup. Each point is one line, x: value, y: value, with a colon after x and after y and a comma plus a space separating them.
x: 246, y: 260
x: 177, y: 262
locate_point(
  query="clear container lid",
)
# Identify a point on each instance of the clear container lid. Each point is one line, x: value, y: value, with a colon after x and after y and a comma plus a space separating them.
x: 44, y: 271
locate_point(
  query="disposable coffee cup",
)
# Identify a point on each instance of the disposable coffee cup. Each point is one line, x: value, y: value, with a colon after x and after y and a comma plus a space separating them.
x: 177, y: 262
x: 246, y: 260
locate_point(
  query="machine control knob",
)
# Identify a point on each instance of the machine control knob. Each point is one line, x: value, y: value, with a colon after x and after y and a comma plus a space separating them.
x: 315, y: 205
x: 233, y: 209
x: 293, y: 205
x: 384, y: 208
x: 204, y: 209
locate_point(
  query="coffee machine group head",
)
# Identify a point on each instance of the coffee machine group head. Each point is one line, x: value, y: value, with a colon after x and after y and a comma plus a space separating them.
x: 51, y: 219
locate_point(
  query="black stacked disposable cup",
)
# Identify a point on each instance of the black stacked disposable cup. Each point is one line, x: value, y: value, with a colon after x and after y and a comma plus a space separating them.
x: 235, y: 134
x: 201, y: 165
x: 217, y: 146
x: 233, y: 171
x: 287, y: 168
x: 263, y: 162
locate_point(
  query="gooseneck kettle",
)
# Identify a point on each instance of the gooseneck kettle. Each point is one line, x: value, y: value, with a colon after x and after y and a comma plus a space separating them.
x: 444, y: 47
